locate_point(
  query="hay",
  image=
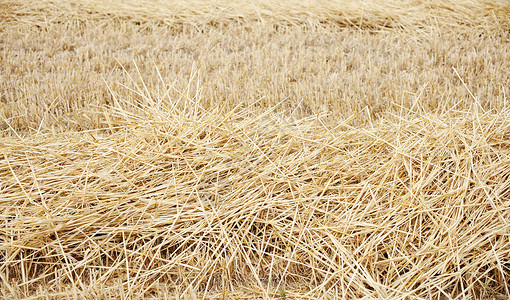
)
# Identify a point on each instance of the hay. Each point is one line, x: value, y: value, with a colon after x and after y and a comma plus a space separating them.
x: 196, y: 186
x: 373, y: 14
x: 189, y: 201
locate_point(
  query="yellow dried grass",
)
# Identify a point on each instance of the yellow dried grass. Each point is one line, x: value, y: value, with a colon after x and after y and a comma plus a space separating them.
x: 373, y: 14
x: 183, y: 200
x: 163, y: 192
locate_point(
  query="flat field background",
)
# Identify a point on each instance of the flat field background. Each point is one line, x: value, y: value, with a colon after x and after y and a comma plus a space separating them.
x: 255, y: 149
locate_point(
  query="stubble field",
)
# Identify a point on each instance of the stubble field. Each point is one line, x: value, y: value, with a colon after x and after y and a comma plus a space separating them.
x: 263, y: 149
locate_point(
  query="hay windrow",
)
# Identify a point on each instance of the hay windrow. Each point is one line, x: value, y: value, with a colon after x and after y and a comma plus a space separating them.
x: 213, y: 202
x: 374, y: 14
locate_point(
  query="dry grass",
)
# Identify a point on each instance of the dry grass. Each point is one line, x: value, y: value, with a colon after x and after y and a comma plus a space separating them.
x: 373, y: 14
x: 55, y: 73
x: 265, y: 150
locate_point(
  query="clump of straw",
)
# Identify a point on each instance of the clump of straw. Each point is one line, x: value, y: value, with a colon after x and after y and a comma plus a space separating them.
x: 173, y: 199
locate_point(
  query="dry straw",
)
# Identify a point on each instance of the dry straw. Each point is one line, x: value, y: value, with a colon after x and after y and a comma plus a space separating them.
x: 170, y: 196
x: 373, y: 14
x: 57, y: 60
x: 177, y: 200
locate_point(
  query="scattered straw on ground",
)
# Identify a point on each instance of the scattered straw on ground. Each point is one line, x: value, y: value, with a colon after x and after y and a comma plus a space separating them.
x: 272, y: 150
x: 54, y: 74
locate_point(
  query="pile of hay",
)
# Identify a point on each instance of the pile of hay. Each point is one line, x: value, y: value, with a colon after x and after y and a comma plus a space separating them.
x: 173, y: 197
x: 188, y: 201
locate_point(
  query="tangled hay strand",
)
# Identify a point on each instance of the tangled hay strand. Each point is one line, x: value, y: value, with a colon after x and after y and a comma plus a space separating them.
x: 198, y: 203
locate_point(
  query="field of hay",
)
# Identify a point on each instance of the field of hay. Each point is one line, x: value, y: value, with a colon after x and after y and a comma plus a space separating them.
x: 319, y: 149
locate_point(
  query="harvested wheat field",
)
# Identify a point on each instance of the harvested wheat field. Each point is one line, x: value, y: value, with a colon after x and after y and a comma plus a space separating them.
x: 254, y: 149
